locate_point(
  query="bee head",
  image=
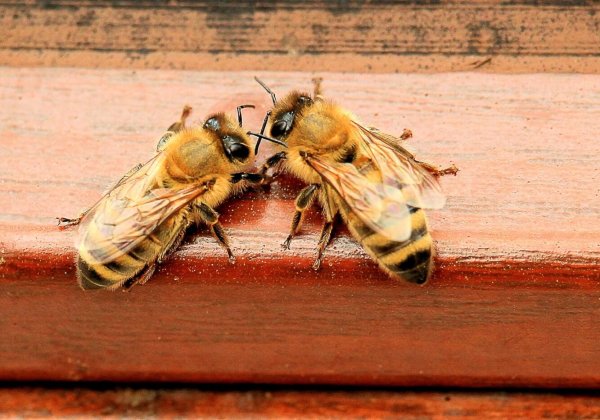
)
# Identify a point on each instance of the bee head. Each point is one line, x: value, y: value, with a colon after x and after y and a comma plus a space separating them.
x: 234, y: 140
x: 282, y: 116
x: 285, y: 112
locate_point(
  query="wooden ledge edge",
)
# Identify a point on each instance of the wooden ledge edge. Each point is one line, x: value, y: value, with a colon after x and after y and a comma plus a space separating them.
x: 325, y: 62
x: 194, y: 263
x: 276, y: 403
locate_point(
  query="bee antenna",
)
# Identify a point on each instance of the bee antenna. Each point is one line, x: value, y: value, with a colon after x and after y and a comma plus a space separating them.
x: 262, y: 131
x: 239, y: 112
x: 265, y: 87
x: 261, y: 136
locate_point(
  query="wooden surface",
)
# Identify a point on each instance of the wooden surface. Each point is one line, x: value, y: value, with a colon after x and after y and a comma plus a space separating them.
x: 36, y: 402
x: 514, y: 300
x: 379, y: 36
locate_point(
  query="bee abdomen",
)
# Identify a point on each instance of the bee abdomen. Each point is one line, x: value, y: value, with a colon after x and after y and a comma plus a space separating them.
x: 410, y: 259
x: 94, y: 275
x: 411, y: 263
x: 89, y: 278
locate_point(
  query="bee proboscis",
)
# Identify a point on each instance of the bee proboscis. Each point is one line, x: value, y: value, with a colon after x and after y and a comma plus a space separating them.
x: 361, y: 174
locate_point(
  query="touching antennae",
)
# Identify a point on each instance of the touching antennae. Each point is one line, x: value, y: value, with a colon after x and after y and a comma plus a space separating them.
x: 265, y: 87
x: 260, y: 136
x: 239, y: 112
x: 262, y: 131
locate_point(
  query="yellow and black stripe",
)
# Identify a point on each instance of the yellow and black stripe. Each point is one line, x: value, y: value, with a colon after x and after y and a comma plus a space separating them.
x: 128, y: 267
x: 410, y: 259
x: 94, y: 275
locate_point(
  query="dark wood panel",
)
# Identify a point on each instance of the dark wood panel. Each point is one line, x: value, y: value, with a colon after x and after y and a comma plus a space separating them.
x: 513, y: 302
x: 197, y: 322
x: 355, y: 36
x: 265, y: 403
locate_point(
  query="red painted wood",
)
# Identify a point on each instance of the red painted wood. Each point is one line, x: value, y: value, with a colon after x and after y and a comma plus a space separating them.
x: 203, y: 403
x: 513, y: 302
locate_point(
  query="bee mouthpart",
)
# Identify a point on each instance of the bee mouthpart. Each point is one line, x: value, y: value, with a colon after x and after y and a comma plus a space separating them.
x: 263, y: 137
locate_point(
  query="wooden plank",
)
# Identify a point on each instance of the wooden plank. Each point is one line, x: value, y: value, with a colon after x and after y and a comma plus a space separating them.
x: 520, y: 36
x: 513, y: 302
x: 184, y: 402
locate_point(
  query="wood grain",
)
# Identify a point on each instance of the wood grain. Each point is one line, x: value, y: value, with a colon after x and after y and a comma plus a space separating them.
x: 514, y: 300
x: 357, y: 36
x: 272, y: 403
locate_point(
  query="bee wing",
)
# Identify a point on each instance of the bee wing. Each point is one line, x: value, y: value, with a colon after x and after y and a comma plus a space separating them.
x: 399, y: 169
x: 381, y: 207
x: 130, y: 212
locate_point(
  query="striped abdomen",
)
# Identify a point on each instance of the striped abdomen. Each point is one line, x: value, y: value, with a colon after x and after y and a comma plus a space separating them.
x: 125, y: 269
x: 410, y: 259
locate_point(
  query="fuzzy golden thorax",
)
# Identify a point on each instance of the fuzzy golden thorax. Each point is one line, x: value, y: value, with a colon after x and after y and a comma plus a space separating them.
x: 220, y: 146
x: 315, y: 127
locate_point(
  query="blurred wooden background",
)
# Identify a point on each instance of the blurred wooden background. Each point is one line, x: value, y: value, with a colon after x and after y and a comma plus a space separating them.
x: 509, y: 91
x: 356, y: 36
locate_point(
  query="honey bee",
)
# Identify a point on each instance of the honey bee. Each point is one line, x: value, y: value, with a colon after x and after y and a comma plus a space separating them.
x: 143, y: 218
x: 360, y: 173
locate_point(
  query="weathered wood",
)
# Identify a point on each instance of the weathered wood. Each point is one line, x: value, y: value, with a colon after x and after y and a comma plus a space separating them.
x: 311, y: 35
x: 514, y: 300
x: 43, y: 402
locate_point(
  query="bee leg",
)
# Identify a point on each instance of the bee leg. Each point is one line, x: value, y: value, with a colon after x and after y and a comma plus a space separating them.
x: 270, y: 163
x: 209, y: 216
x: 451, y: 170
x: 406, y: 134
x: 148, y: 272
x: 141, y: 278
x: 175, y: 242
x: 180, y: 125
x: 317, y: 91
x: 146, y: 275
x: 65, y: 221
x: 303, y: 201
x: 255, y: 179
x: 174, y: 128
x: 323, y: 242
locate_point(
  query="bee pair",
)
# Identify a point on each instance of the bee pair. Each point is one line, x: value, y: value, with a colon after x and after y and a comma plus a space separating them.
x: 356, y: 173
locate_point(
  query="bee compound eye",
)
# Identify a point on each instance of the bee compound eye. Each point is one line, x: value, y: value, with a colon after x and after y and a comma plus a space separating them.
x: 239, y: 151
x: 212, y: 124
x: 279, y: 128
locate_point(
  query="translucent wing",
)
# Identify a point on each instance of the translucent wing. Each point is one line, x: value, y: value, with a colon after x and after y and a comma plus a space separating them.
x: 130, y: 212
x: 381, y: 207
x: 399, y: 169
